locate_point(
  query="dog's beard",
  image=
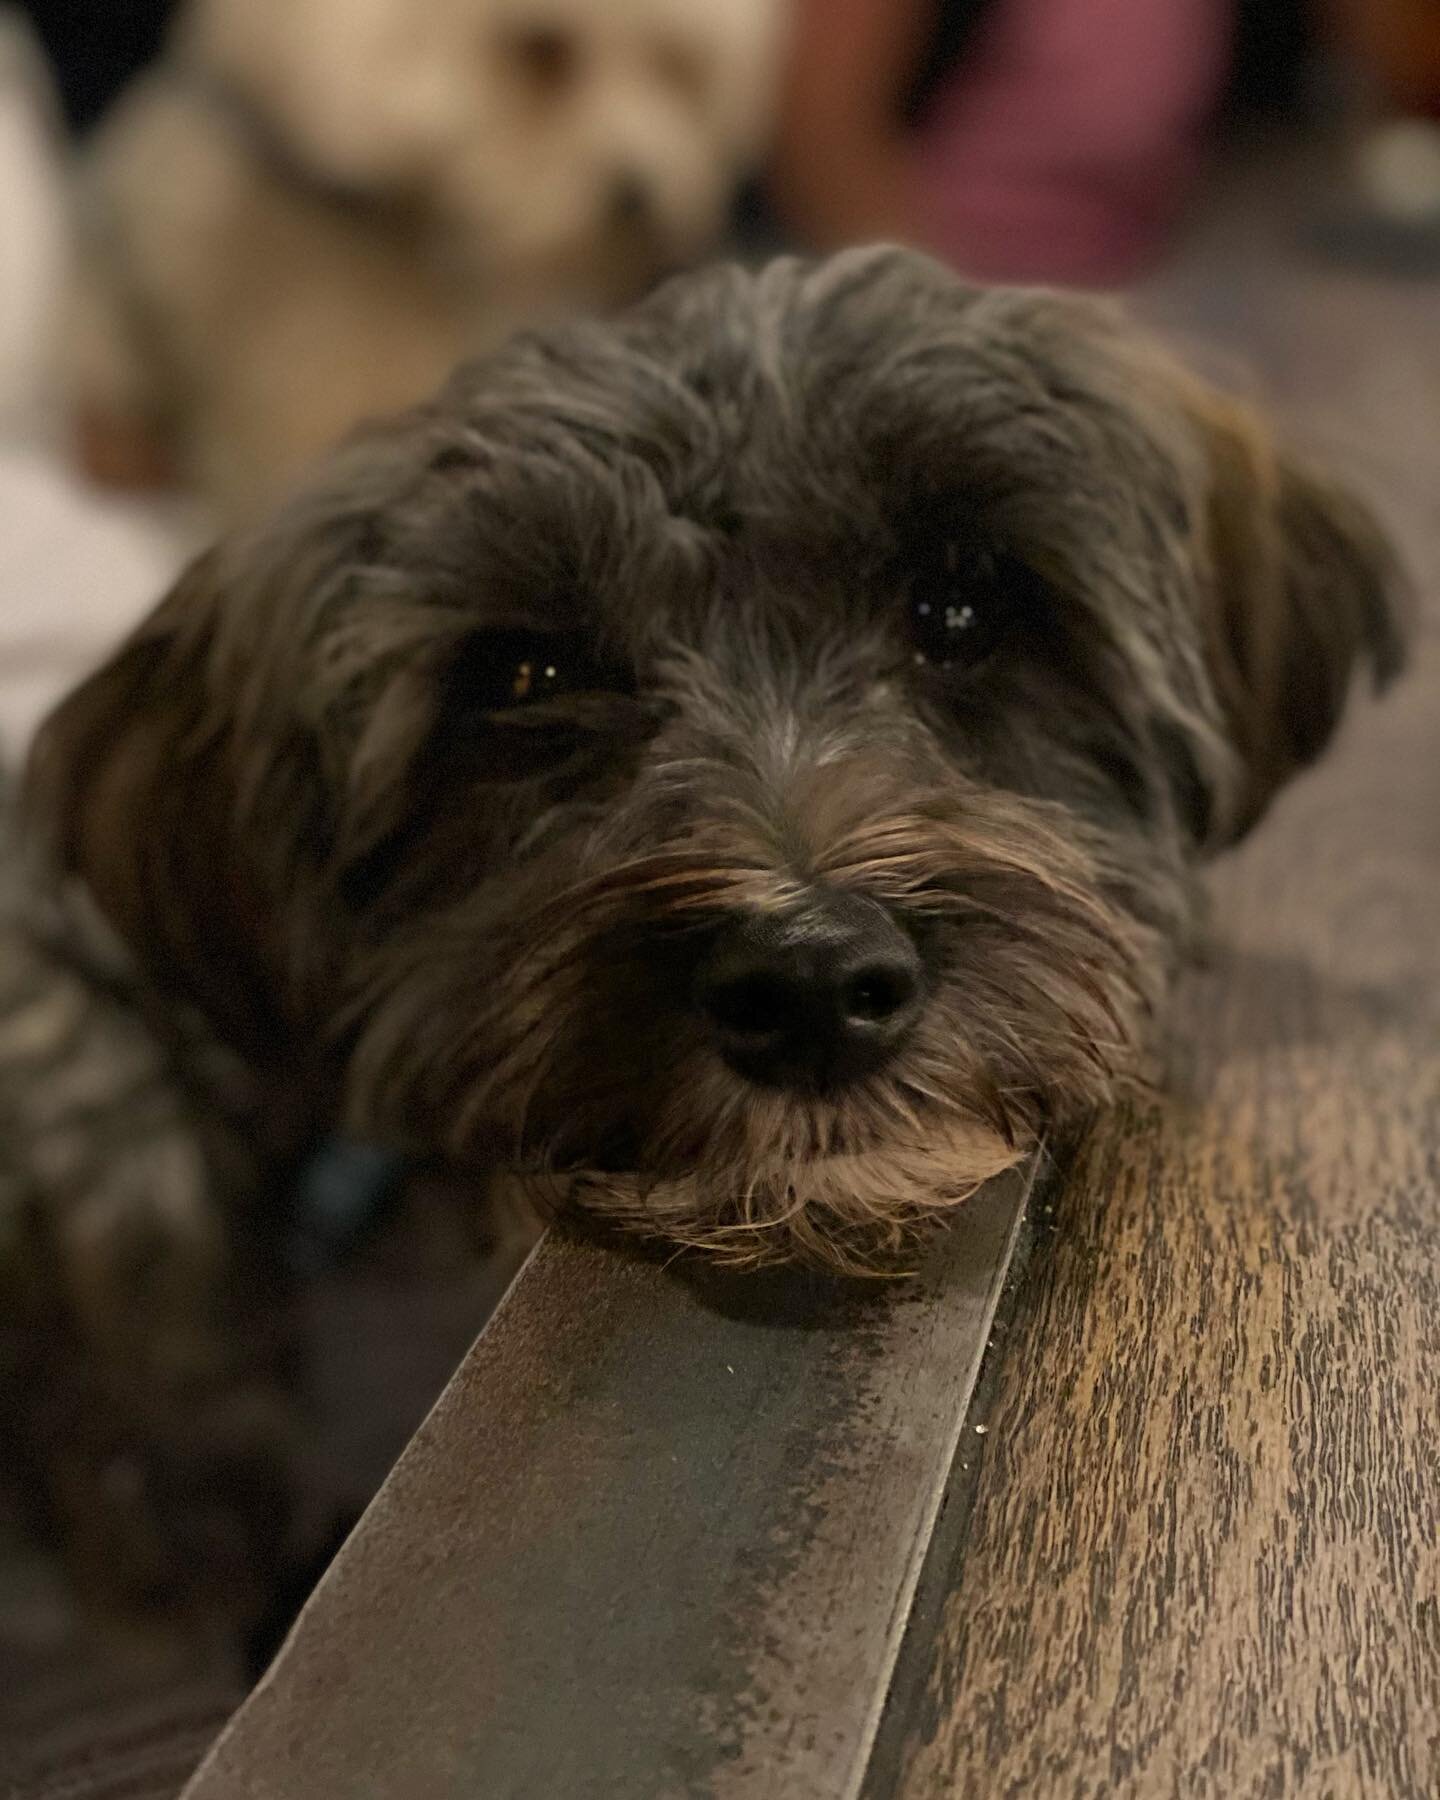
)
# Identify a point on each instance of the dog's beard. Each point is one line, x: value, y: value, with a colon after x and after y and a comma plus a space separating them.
x: 608, y: 1096
x: 753, y: 1176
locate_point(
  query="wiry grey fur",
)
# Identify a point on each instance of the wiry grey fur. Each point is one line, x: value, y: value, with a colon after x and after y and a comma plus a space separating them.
x: 473, y: 930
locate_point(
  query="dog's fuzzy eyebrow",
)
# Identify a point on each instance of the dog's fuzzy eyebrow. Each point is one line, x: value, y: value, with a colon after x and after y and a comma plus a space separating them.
x: 555, y: 613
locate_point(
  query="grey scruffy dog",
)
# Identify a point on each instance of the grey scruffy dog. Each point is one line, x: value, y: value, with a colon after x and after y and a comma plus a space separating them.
x: 744, y: 768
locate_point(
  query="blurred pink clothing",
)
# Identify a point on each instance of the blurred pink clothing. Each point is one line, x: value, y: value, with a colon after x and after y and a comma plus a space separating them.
x: 1062, y: 148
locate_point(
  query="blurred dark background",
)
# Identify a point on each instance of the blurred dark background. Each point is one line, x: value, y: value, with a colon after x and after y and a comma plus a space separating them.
x: 97, y: 47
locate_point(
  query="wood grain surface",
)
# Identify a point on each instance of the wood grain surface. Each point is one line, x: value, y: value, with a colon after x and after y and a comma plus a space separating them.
x: 658, y: 1538
x: 1201, y: 1557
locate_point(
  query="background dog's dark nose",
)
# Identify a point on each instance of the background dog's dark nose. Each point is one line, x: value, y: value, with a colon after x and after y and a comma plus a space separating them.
x: 629, y: 201
x: 812, y: 998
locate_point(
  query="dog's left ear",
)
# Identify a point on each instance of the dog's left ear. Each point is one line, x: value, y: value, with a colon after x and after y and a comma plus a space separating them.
x: 133, y: 788
x: 1299, y: 591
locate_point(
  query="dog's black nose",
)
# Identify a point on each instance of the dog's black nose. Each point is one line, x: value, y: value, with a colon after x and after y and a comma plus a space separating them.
x: 629, y: 202
x: 813, y: 998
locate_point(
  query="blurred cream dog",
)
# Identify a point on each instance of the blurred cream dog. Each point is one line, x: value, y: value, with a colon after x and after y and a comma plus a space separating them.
x: 312, y: 208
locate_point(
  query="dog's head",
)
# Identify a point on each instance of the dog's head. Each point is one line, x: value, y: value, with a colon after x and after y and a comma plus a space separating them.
x: 748, y: 761
x: 576, y: 143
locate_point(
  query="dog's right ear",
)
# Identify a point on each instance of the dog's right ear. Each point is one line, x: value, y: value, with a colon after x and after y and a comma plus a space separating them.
x: 1301, y: 590
x: 366, y: 94
x: 133, y: 786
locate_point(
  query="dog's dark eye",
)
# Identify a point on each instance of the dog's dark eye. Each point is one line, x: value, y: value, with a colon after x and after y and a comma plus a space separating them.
x: 965, y: 599
x: 506, y: 671
x: 545, y: 55
x: 680, y: 66
x: 521, y: 704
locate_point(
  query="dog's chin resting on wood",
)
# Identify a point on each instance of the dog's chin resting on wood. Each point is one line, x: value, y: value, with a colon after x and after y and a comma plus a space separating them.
x: 742, y: 770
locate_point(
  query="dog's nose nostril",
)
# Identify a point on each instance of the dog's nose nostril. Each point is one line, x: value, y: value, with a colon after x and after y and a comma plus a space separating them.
x: 879, y: 992
x: 752, y: 1005
x: 811, y: 999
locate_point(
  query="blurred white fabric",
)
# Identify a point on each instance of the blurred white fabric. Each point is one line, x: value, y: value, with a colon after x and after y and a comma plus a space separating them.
x: 32, y: 214
x: 77, y: 568
x: 76, y: 571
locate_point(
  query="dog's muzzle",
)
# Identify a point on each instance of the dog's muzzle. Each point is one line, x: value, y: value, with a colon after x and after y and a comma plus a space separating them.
x: 814, y: 998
